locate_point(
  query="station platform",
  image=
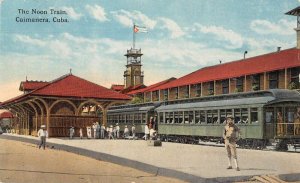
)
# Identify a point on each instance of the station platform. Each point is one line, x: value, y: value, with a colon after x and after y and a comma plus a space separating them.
x: 191, y: 163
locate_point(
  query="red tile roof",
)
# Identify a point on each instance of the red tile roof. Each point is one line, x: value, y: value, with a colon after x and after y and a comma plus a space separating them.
x: 72, y: 86
x: 151, y: 86
x: 6, y: 114
x: 262, y: 63
x: 117, y: 87
x: 132, y: 88
x: 31, y: 85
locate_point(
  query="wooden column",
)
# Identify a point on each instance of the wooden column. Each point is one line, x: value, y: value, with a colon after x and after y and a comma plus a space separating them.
x: 265, y: 80
x: 245, y: 84
x: 285, y: 79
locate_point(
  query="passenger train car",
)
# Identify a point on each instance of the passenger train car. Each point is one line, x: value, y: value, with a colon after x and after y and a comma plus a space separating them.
x: 262, y: 116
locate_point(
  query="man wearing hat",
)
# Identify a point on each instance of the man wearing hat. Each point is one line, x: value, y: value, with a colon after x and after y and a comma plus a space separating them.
x: 72, y: 131
x: 117, y: 131
x: 43, y: 134
x: 133, y: 131
x: 231, y: 132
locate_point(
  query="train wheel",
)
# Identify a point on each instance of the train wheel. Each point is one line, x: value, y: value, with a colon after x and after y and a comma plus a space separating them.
x: 282, y: 145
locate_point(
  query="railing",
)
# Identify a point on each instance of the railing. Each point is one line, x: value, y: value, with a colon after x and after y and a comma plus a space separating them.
x: 284, y: 129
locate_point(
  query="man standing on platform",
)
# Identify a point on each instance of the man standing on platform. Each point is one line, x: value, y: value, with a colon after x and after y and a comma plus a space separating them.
x: 133, y: 131
x: 117, y: 131
x: 72, y: 131
x: 43, y: 134
x: 231, y: 132
x: 102, y: 131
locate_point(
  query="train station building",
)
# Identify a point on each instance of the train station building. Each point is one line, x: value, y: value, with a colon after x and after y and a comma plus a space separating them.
x: 64, y: 102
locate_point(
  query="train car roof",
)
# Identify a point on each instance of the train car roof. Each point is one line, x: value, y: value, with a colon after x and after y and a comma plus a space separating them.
x: 248, y: 98
x: 134, y: 107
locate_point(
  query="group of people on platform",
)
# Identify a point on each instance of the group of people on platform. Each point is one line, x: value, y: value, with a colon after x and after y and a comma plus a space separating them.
x: 97, y: 131
x: 292, y: 123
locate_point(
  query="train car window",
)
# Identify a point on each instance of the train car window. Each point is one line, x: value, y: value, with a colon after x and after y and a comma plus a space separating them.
x: 186, y: 117
x: 212, y: 117
x: 237, y: 115
x: 143, y: 118
x: 269, y: 116
x: 245, y: 117
x: 197, y: 117
x: 169, y: 117
x: 209, y: 117
x: 176, y: 117
x: 122, y: 118
x: 202, y: 117
x: 290, y: 114
x: 137, y: 118
x: 254, y: 115
x: 161, y: 117
x: 191, y: 117
x: 180, y: 117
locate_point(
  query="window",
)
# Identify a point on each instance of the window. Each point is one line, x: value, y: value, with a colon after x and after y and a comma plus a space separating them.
x: 166, y: 94
x: 137, y: 118
x: 187, y: 91
x: 240, y: 84
x: 269, y: 115
x: 169, y: 117
x: 155, y: 96
x: 176, y: 93
x: 178, y: 116
x: 212, y: 117
x: 211, y: 88
x: 198, y: 89
x: 225, y: 86
x: 122, y: 118
x: 161, y: 117
x: 237, y: 115
x: 273, y: 80
x: 295, y: 72
x: 254, y: 115
x: 223, y: 114
x: 188, y: 116
x: 256, y: 82
x: 143, y: 118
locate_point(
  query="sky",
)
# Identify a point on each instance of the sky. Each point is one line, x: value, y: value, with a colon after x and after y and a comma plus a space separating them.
x: 183, y: 36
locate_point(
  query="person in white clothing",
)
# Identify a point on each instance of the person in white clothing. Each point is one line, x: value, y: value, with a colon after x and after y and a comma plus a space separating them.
x: 126, y: 131
x: 102, y: 131
x: 146, y: 132
x: 72, y: 131
x: 110, y: 132
x: 80, y: 133
x: 133, y: 131
x: 117, y: 131
x: 43, y: 134
x: 89, y: 132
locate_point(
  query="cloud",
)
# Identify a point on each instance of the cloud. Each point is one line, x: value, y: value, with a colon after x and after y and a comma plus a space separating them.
x: 282, y: 27
x: 97, y: 12
x: 29, y: 40
x: 172, y: 26
x: 127, y: 18
x: 72, y: 14
x: 234, y: 39
x: 57, y: 47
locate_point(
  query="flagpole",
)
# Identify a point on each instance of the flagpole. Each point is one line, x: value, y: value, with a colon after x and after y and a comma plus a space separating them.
x: 133, y: 37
